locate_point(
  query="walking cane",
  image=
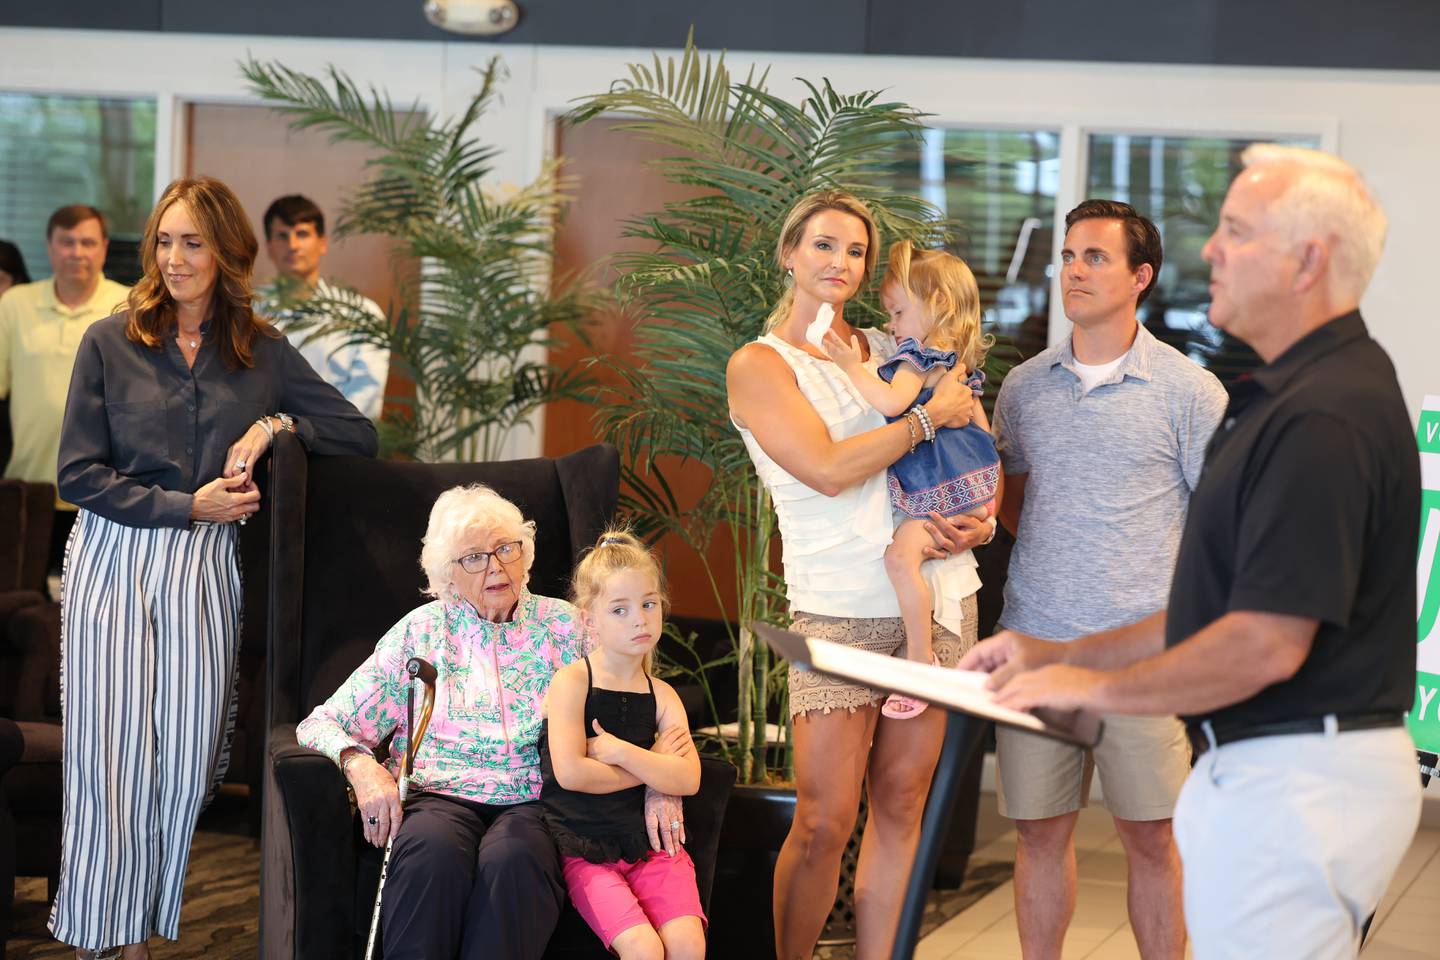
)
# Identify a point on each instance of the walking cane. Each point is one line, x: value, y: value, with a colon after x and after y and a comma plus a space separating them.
x: 423, y: 671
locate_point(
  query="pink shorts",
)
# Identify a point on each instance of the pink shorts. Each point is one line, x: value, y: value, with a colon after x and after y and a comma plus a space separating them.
x: 613, y: 897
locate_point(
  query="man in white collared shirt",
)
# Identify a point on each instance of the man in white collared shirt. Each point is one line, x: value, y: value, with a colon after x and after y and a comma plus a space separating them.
x: 41, y: 324
x: 295, y: 240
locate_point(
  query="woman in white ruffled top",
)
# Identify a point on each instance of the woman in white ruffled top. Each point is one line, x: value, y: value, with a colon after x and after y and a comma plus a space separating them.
x: 822, y: 452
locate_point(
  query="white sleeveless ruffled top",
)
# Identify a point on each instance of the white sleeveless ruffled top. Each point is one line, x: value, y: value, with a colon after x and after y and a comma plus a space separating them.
x: 834, y: 547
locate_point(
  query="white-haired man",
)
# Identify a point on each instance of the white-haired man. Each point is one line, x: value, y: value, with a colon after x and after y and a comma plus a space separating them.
x: 1288, y: 644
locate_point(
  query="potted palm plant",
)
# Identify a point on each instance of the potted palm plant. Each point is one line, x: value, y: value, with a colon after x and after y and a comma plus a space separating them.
x: 701, y: 290
x: 484, y: 303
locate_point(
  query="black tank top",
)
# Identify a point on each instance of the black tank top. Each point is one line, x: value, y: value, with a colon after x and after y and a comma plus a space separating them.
x: 602, y: 827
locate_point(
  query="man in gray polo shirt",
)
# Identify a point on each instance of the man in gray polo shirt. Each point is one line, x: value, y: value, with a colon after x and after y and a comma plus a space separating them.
x: 1102, y: 438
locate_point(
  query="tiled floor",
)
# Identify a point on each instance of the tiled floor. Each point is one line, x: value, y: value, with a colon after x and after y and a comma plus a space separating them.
x: 1406, y: 926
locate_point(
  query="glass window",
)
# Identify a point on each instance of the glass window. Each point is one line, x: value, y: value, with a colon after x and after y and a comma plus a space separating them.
x: 1000, y: 186
x: 58, y: 150
x: 1179, y: 182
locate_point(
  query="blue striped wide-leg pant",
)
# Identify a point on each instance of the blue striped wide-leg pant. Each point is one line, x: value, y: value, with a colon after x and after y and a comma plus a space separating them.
x: 150, y: 631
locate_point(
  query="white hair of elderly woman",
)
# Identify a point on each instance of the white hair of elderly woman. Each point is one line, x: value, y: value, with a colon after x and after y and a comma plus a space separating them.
x: 461, y: 513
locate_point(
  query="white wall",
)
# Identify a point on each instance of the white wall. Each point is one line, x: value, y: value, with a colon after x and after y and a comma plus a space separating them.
x: 1385, y: 123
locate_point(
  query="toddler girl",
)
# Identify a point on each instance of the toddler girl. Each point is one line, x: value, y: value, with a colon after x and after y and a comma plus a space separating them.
x: 934, y: 308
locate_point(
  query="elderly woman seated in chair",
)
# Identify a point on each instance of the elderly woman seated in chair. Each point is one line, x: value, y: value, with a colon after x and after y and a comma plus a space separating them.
x: 473, y: 872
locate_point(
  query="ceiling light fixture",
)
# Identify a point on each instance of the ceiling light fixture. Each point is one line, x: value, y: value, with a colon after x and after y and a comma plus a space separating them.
x: 483, y: 17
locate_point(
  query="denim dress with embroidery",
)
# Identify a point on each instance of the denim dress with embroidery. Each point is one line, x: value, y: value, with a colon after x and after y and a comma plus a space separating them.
x: 957, y: 472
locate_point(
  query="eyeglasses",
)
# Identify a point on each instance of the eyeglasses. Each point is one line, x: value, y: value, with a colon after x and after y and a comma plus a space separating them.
x: 477, y: 562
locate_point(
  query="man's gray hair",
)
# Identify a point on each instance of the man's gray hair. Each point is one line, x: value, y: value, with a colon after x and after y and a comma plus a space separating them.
x: 1327, y: 199
x: 461, y: 512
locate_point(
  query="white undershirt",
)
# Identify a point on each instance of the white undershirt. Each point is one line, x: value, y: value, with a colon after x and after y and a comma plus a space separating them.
x: 1093, y: 374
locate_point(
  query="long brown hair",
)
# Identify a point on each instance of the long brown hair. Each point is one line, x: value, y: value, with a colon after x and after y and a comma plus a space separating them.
x: 226, y: 232
x: 792, y: 231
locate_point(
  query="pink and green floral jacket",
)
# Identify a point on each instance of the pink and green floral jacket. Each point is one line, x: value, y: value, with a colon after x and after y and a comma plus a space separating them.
x: 483, y: 740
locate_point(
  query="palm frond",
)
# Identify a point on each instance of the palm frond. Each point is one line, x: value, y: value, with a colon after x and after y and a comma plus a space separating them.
x: 466, y: 330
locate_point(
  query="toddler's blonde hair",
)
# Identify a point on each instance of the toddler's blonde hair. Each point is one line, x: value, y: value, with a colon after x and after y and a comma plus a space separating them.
x: 944, y: 286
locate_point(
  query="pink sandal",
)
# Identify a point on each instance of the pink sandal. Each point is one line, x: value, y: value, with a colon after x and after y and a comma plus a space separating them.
x: 900, y: 707
x: 897, y: 706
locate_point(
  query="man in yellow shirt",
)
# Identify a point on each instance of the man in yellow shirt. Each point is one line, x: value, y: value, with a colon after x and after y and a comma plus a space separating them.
x: 40, y: 328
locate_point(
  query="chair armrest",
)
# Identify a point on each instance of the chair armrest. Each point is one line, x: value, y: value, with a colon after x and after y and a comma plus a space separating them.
x: 33, y: 639
x: 307, y: 880
x: 704, y: 817
x: 12, y: 745
x: 289, y: 474
x: 13, y: 601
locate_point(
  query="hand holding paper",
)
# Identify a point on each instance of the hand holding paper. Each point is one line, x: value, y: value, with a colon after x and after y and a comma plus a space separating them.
x: 1009, y: 653
x: 1058, y: 686
x: 953, y: 689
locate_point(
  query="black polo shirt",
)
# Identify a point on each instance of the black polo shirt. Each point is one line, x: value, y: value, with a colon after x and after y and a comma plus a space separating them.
x: 1309, y: 505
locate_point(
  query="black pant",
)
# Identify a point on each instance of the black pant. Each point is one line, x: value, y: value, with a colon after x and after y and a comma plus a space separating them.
x: 468, y: 880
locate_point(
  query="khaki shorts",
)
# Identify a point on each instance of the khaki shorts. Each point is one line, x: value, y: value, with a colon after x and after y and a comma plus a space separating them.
x: 1143, y: 763
x: 813, y: 691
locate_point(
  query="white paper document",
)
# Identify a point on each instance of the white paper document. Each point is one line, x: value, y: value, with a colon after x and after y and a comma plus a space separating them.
x: 964, y: 689
x: 952, y: 689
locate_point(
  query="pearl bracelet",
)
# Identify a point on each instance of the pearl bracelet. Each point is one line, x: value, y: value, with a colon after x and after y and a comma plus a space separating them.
x: 925, y: 422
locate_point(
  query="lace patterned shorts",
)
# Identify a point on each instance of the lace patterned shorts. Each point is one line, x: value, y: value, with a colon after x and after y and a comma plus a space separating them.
x: 812, y: 691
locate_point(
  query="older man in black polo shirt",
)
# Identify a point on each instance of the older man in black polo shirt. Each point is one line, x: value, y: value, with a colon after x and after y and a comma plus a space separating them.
x: 1289, y: 642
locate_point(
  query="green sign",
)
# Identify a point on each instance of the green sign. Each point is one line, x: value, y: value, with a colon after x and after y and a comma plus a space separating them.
x: 1424, y: 717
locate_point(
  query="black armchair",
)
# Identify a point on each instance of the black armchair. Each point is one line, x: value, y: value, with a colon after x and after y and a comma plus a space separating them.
x: 29, y: 622
x: 30, y: 735
x: 345, y: 539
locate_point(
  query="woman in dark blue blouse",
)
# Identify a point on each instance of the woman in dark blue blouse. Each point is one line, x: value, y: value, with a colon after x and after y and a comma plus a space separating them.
x: 171, y: 404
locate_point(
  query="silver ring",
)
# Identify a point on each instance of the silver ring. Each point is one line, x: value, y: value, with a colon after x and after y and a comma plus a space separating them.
x: 372, y: 820
x: 242, y: 520
x: 674, y: 824
x: 240, y: 464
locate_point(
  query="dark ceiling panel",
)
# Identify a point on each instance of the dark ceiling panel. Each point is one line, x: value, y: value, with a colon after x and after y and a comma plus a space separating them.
x: 1380, y: 34
x: 1120, y: 30
x: 84, y: 14
x: 812, y: 26
x: 1377, y: 34
x: 809, y: 25
x: 365, y: 19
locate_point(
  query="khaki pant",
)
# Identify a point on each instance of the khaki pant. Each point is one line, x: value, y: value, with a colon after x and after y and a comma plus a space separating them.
x: 1143, y: 762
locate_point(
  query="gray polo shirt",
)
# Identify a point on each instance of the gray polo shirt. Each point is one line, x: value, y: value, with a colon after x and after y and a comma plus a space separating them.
x: 1110, y: 476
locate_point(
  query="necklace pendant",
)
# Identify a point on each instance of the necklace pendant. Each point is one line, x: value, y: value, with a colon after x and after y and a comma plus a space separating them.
x: 193, y: 344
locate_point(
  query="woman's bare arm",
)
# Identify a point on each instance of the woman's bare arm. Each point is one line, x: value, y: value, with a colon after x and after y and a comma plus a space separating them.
x: 766, y: 400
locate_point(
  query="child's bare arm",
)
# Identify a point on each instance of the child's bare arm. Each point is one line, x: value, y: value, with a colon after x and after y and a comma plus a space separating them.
x: 676, y: 774
x: 891, y: 399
